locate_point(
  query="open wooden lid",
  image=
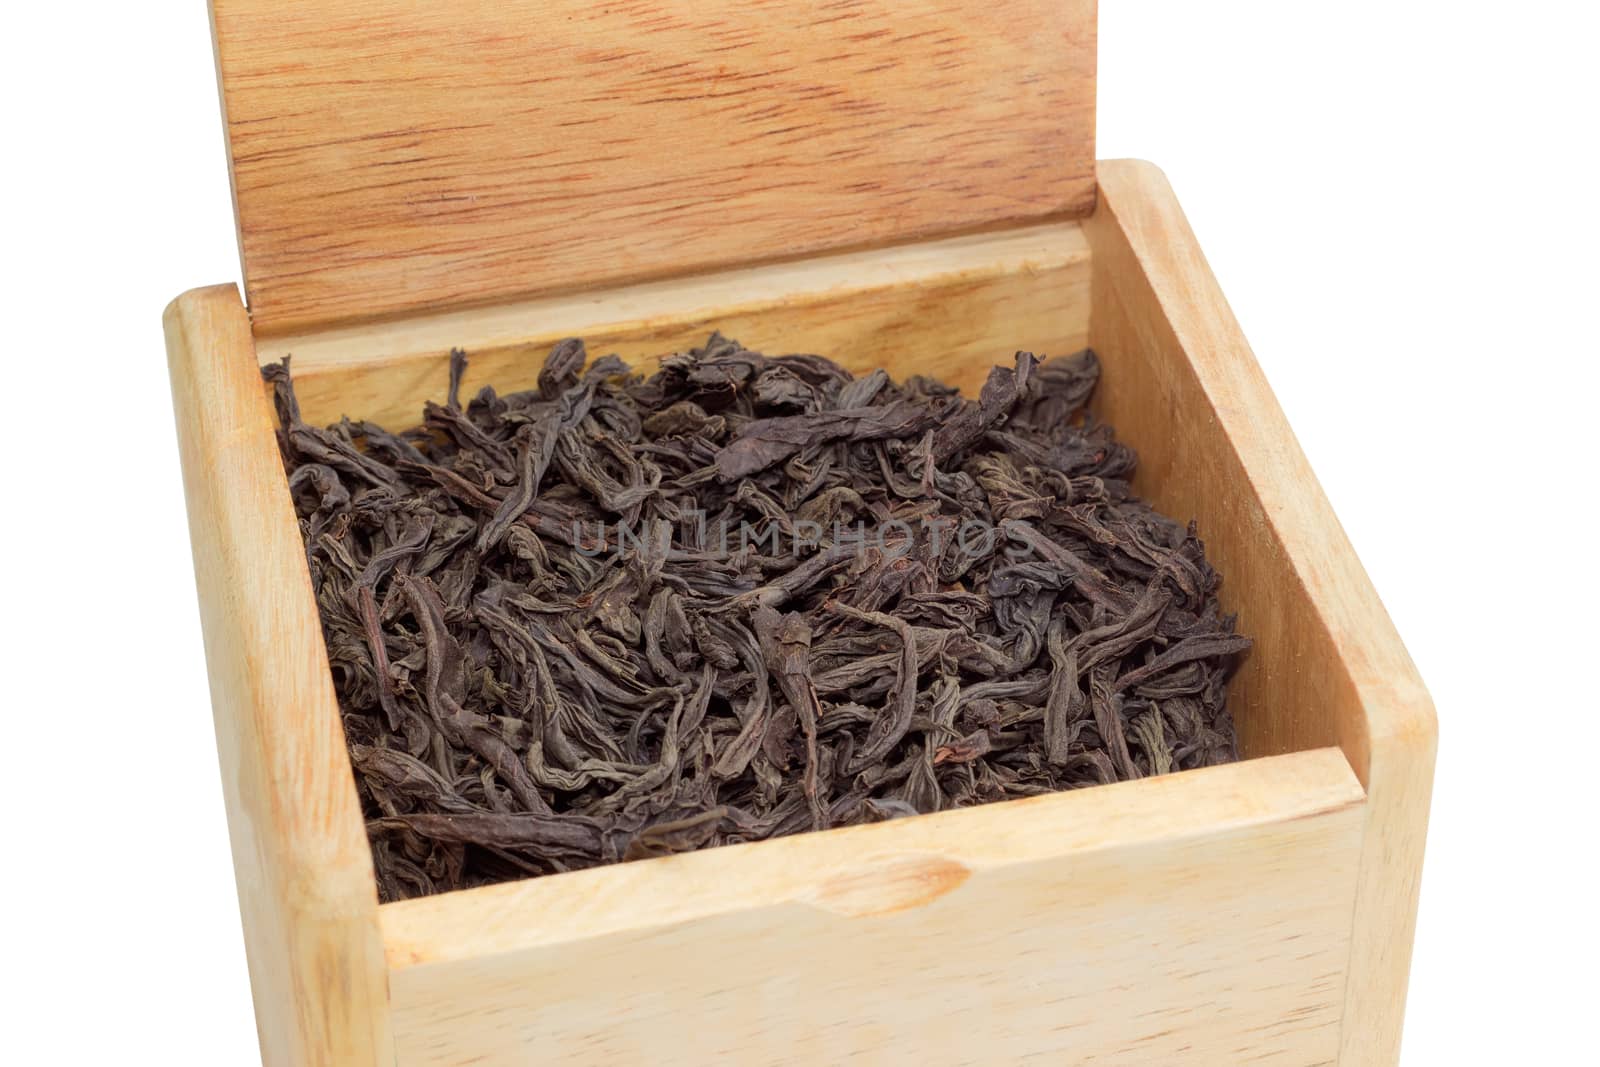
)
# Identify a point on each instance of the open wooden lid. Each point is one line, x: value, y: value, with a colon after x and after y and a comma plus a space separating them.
x: 394, y: 156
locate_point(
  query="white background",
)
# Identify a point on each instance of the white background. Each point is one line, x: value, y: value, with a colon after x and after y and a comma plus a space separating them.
x: 1399, y: 199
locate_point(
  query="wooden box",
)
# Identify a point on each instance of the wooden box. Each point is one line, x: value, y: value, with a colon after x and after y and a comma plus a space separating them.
x: 905, y: 185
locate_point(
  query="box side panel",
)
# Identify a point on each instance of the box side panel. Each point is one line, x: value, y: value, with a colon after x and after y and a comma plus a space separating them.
x: 306, y: 891
x: 950, y: 308
x: 392, y: 157
x: 1199, y: 918
x: 1328, y: 666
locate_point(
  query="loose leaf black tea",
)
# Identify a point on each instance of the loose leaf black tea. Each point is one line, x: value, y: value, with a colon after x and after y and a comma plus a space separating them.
x: 616, y: 617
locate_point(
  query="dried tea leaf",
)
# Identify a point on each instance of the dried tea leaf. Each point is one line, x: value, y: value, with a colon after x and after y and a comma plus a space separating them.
x: 617, y: 617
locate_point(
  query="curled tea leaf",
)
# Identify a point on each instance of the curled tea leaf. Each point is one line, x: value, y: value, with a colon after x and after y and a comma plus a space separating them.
x: 613, y: 617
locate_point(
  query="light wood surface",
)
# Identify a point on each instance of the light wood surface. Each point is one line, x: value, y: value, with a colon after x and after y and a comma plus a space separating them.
x: 1259, y: 910
x: 1199, y: 918
x: 397, y: 157
x: 948, y: 308
x: 1328, y: 666
x: 306, y: 889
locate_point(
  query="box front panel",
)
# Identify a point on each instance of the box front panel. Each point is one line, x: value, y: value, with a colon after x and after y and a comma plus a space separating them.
x: 1198, y: 919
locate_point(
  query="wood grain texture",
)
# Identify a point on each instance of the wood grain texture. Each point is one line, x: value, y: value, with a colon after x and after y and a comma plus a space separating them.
x: 1328, y: 666
x: 949, y: 308
x: 397, y: 157
x: 1263, y: 910
x: 1198, y: 918
x: 307, y: 894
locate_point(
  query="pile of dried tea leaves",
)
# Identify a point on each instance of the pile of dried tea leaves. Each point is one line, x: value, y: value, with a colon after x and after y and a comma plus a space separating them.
x: 618, y: 617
